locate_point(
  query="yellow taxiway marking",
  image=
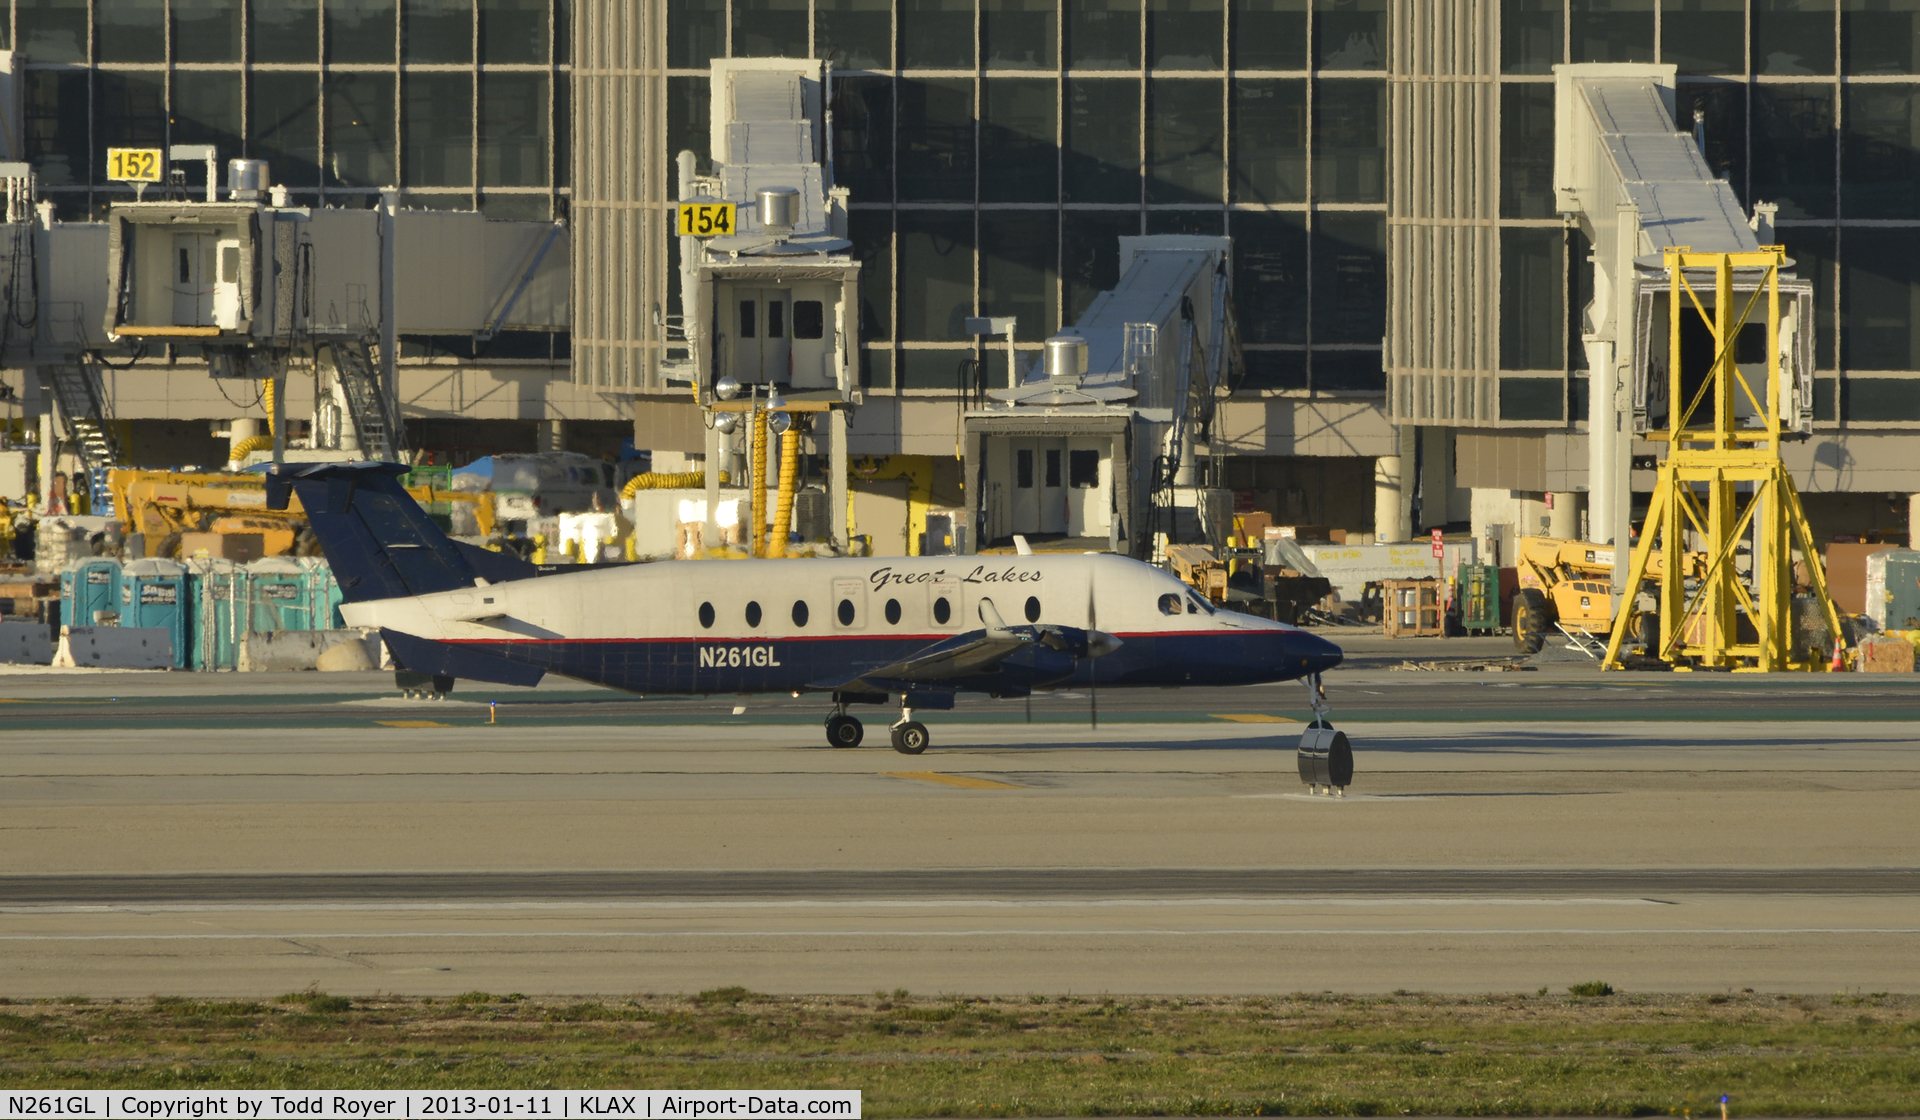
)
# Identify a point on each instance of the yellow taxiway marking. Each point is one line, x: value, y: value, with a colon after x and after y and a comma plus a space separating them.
x: 410, y: 723
x: 1251, y: 717
x: 955, y: 780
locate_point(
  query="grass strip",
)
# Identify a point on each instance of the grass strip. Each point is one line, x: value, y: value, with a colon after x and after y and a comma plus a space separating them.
x: 1303, y: 1055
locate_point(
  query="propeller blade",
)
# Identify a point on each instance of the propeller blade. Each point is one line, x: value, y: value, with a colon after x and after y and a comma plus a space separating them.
x: 990, y: 617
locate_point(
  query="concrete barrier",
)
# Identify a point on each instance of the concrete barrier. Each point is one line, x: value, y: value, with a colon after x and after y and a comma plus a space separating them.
x: 115, y: 647
x: 281, y: 651
x: 25, y: 643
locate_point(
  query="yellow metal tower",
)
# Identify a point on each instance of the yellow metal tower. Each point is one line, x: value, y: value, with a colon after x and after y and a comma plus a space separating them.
x: 1723, y: 485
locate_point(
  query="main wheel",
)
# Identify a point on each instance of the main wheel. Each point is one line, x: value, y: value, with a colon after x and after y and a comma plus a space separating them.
x: 911, y: 737
x: 844, y: 731
x: 1530, y: 620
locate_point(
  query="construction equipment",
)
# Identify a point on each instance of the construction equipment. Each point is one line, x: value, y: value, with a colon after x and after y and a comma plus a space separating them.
x: 1199, y: 569
x: 1567, y: 586
x: 1722, y: 482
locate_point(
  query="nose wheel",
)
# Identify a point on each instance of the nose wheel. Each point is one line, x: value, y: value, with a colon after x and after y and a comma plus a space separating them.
x: 911, y: 737
x: 1325, y: 757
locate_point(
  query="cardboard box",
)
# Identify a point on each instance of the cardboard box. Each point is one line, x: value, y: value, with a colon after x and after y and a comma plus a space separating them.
x: 238, y: 547
x: 1847, y: 574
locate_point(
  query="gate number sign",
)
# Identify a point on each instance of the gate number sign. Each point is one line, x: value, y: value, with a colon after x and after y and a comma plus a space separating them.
x: 706, y: 219
x: 139, y: 165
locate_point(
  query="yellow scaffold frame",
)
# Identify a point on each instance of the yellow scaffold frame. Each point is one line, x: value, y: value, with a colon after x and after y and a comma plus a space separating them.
x: 1702, y: 629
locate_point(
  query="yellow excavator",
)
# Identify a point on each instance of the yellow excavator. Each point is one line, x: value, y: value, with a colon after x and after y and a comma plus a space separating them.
x: 1569, y: 585
x: 164, y: 505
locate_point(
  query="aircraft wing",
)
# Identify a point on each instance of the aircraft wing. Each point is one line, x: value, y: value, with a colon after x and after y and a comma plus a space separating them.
x: 963, y: 655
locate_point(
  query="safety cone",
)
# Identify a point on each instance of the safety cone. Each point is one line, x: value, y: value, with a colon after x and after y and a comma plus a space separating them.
x: 1837, y: 665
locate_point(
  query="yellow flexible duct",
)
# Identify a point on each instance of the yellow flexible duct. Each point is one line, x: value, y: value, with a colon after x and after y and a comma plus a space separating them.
x: 655, y: 480
x: 247, y: 447
x: 759, y: 484
x: 783, y: 507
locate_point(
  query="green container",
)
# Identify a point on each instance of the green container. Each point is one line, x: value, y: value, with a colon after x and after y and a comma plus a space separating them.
x: 213, y: 587
x: 1477, y: 591
x: 323, y: 594
x: 277, y: 596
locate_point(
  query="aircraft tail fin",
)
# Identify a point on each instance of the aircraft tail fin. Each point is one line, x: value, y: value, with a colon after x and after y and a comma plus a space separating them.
x: 381, y: 544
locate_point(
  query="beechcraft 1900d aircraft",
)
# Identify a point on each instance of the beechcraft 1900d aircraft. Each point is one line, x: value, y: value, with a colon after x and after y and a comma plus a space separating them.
x: 913, y: 630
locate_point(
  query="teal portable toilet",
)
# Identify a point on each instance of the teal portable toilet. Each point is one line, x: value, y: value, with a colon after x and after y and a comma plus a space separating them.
x: 277, y: 595
x: 153, y: 592
x: 323, y: 594
x: 213, y: 587
x: 87, y: 586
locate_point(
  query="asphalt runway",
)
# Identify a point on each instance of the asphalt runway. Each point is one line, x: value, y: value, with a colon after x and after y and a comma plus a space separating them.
x: 249, y: 835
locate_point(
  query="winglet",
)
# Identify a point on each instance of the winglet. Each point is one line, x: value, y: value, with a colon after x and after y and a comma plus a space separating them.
x: 1021, y: 546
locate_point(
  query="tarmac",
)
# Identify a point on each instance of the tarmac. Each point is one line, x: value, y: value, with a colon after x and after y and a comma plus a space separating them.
x: 222, y: 834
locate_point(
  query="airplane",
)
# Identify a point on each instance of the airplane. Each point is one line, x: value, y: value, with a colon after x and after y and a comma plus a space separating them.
x: 860, y: 631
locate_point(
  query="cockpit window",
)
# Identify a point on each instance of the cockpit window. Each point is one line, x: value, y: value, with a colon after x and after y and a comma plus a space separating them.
x: 1169, y: 603
x: 1197, y: 605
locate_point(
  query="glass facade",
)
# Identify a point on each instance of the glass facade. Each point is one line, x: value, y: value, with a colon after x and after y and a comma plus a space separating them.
x: 1810, y: 104
x: 996, y: 150
x: 458, y: 103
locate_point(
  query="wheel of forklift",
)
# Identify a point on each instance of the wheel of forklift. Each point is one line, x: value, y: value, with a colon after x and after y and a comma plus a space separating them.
x: 1532, y: 620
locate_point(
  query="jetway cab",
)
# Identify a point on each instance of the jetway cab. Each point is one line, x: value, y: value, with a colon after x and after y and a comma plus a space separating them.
x: 1051, y: 484
x: 779, y: 332
x: 1652, y: 386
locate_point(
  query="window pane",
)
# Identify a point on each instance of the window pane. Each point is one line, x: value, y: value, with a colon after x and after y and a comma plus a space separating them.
x: 360, y: 30
x: 1019, y: 269
x: 1270, y: 277
x: 1793, y: 36
x: 1349, y: 278
x: 1611, y: 30
x: 1103, y: 34
x: 862, y: 136
x: 1532, y: 398
x: 1202, y: 223
x: 57, y: 124
x: 1880, y: 151
x: 1103, y: 140
x: 1275, y: 369
x: 1880, y: 36
x: 1880, y: 284
x: 1348, y: 371
x: 1349, y: 122
x: 1880, y: 399
x: 1707, y: 36
x: 1270, y: 140
x: 1530, y: 36
x: 687, y: 123
x: 696, y: 32
x: 1017, y: 148
x: 513, y: 31
x: 1532, y: 299
x: 513, y: 130
x: 871, y: 232
x: 285, y: 30
x: 1185, y: 140
x: 1350, y: 34
x: 1090, y: 255
x: 936, y: 139
x: 206, y: 110
x: 1184, y: 34
x: 1793, y: 148
x: 206, y: 30
x: 1269, y: 34
x: 53, y: 30
x: 932, y: 369
x: 563, y: 133
x: 283, y: 126
x: 1526, y: 151
x: 131, y: 30
x: 360, y: 130
x: 1723, y: 110
x: 936, y: 275
x: 855, y: 34
x: 436, y: 31
x: 770, y: 28
x: 1019, y: 34
x: 1812, y: 250
x: 438, y: 129
x: 936, y: 34
x: 131, y: 110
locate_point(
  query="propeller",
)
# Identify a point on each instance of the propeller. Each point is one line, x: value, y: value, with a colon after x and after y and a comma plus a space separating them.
x: 990, y: 618
x: 1093, y: 635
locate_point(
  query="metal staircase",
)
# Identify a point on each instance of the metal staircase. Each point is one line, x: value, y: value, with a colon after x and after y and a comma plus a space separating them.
x: 376, y: 422
x: 83, y: 404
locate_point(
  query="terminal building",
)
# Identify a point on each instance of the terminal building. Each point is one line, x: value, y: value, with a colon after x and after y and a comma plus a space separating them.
x: 1412, y: 286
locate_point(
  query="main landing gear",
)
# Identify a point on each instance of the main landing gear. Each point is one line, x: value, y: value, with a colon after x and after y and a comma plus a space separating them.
x: 843, y: 730
x: 909, y: 735
x: 1325, y: 757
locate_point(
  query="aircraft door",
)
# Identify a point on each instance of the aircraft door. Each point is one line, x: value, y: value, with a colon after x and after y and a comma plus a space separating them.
x: 810, y: 332
x: 1053, y: 485
x: 192, y: 274
x: 849, y: 604
x: 945, y: 610
x: 1026, y: 487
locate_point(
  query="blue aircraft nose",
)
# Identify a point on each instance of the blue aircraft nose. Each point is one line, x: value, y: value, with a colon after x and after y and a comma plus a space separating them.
x: 1314, y: 653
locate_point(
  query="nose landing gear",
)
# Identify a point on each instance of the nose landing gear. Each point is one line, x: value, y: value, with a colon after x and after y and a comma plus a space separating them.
x: 910, y: 735
x: 1325, y: 757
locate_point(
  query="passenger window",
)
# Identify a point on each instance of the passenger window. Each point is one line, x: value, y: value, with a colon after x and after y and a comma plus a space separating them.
x: 706, y: 616
x: 942, y: 610
x: 799, y: 612
x: 753, y: 615
x: 809, y: 320
x: 1033, y: 609
x: 1170, y: 603
x: 746, y: 318
x: 846, y: 612
x: 893, y: 612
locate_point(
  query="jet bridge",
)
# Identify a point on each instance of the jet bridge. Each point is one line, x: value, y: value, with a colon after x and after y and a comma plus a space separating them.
x: 1639, y: 187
